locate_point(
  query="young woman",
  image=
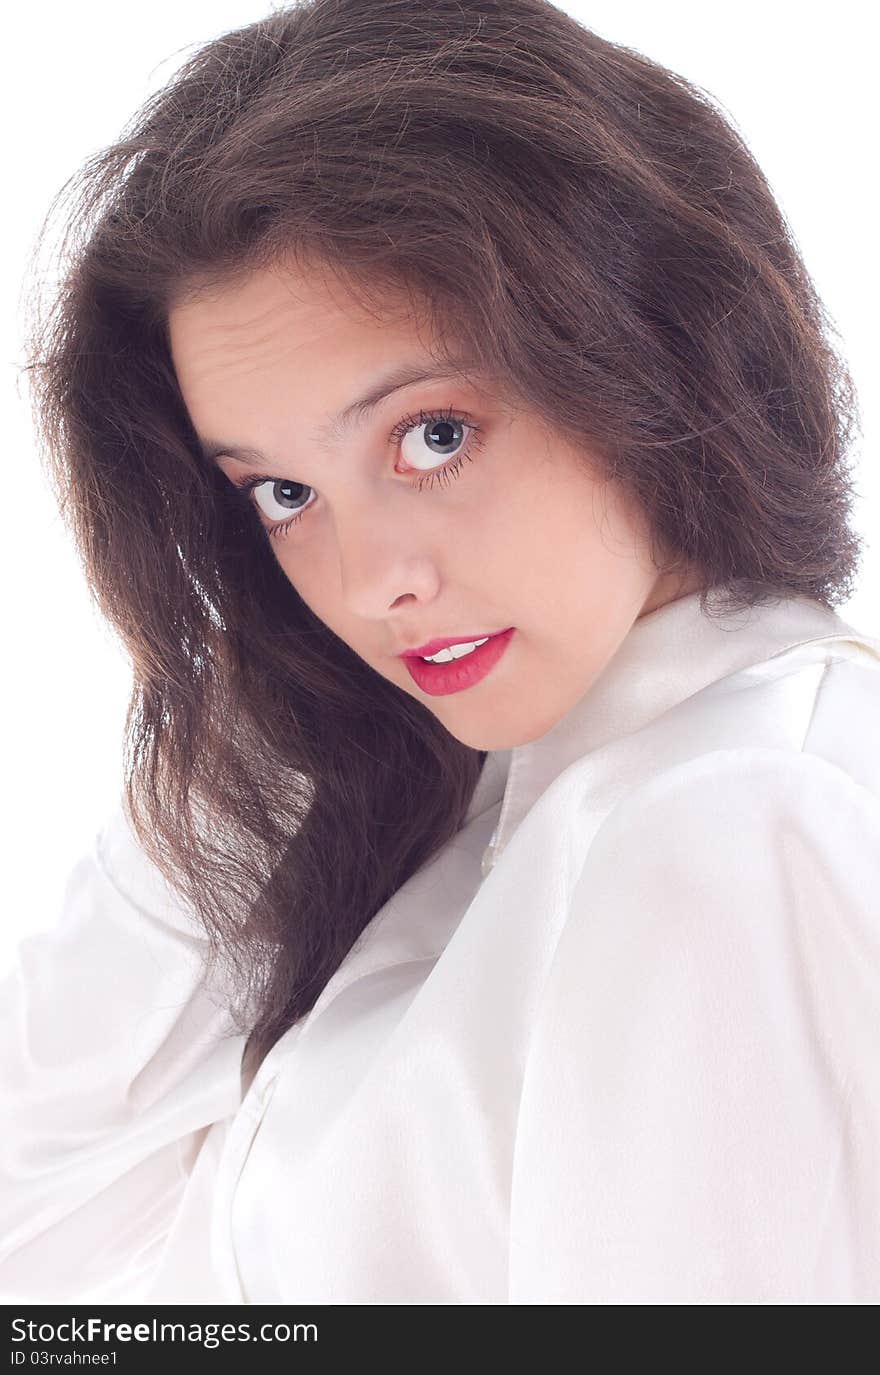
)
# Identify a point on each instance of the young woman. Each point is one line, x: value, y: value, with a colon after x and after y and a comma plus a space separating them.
x: 544, y: 969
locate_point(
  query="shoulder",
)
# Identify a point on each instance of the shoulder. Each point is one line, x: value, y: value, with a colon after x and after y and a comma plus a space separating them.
x: 701, y: 1099
x: 734, y: 836
x: 133, y: 882
x: 746, y: 786
x: 731, y: 896
x: 808, y: 701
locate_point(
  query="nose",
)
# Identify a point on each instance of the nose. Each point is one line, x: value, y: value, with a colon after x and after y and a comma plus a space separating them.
x: 385, y: 563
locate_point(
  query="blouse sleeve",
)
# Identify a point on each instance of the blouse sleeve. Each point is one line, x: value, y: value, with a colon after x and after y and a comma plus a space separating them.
x: 700, y: 1121
x: 115, y: 1057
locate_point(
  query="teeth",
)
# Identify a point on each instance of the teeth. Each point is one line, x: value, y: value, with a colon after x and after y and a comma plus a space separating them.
x: 446, y: 656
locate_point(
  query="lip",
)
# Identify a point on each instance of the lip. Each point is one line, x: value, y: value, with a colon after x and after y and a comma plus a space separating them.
x: 434, y: 646
x: 437, y: 680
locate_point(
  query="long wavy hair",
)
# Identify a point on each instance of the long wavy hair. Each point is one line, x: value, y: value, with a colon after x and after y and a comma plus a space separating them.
x: 604, y: 243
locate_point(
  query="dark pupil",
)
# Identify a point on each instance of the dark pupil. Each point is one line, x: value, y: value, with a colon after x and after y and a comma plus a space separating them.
x: 291, y: 492
x: 445, y: 425
x: 285, y: 488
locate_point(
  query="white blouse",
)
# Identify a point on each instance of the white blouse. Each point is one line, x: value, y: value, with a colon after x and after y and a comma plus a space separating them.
x: 617, y: 1043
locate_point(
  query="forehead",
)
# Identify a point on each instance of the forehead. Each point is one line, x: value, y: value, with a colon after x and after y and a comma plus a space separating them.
x: 296, y: 333
x: 288, y: 360
x: 287, y: 314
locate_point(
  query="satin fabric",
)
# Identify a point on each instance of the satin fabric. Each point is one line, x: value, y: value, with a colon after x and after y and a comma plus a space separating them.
x: 617, y: 1043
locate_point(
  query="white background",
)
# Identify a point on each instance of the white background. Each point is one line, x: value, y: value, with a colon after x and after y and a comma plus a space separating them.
x: 798, y: 81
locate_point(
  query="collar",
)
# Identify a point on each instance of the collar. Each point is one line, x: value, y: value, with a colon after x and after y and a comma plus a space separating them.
x: 666, y: 656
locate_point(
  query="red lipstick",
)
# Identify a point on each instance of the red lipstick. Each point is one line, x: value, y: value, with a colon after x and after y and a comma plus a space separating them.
x: 434, y: 646
x: 439, y: 679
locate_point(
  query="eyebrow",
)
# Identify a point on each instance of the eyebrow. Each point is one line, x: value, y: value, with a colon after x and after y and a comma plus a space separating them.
x: 356, y: 412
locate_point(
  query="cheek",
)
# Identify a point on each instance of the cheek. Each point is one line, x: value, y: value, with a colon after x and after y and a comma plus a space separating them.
x: 313, y: 582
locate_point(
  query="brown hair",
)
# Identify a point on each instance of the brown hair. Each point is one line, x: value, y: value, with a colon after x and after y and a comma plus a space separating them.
x: 604, y: 243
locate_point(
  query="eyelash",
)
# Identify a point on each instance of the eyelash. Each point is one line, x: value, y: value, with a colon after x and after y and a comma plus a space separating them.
x: 403, y: 427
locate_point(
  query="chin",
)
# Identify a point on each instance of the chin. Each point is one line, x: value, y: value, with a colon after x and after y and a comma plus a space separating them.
x: 493, y: 738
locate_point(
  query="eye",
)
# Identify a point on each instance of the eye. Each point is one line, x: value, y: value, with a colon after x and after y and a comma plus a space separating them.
x: 279, y: 498
x: 425, y: 441
x: 436, y: 435
x: 428, y: 437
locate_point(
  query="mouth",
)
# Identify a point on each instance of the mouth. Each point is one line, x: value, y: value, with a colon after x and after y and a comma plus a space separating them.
x: 439, y: 679
x: 435, y: 646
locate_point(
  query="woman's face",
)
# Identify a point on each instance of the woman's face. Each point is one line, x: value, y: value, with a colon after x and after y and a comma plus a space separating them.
x: 509, y: 529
